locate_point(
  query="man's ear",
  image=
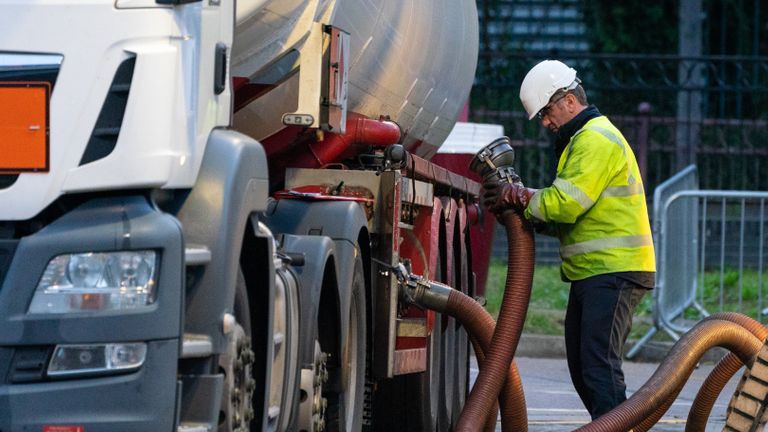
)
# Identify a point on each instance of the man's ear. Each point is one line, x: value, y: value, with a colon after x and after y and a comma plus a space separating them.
x: 571, y: 103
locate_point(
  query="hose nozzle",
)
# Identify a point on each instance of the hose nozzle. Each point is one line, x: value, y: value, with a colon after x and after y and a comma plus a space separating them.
x: 494, y: 162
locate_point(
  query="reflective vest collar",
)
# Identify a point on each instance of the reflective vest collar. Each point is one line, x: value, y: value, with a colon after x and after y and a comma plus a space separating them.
x: 612, y: 137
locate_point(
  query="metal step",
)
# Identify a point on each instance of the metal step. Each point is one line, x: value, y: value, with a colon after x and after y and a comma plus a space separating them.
x: 194, y: 427
x: 195, y: 255
x: 196, y: 346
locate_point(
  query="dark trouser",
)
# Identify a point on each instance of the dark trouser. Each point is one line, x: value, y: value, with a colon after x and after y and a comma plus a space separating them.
x: 597, y: 323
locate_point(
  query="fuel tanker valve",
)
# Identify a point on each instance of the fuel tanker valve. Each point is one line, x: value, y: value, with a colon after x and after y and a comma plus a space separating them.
x: 422, y: 292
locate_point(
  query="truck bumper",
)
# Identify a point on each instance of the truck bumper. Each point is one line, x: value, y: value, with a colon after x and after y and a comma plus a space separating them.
x: 141, y: 400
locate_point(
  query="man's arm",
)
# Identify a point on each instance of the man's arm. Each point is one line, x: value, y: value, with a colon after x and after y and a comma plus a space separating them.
x: 591, y: 163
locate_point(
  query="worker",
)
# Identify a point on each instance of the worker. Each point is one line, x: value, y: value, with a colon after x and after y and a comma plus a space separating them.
x: 596, y: 207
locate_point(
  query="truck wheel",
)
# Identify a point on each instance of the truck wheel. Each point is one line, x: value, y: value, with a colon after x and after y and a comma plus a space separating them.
x: 347, y: 413
x: 237, y: 364
x: 312, y: 404
x: 332, y: 392
x: 409, y: 403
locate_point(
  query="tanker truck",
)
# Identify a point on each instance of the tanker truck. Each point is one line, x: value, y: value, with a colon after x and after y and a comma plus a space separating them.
x: 201, y: 204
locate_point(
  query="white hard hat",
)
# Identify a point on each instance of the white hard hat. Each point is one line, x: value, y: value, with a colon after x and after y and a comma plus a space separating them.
x: 542, y: 81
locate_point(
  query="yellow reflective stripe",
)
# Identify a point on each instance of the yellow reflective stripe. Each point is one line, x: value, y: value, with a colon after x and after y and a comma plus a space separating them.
x: 608, y: 134
x: 534, y: 206
x: 602, y: 131
x: 605, y: 243
x: 574, y: 192
x: 622, y: 191
x: 612, y: 137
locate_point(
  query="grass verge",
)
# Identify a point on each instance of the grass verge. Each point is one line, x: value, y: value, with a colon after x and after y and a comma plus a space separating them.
x: 549, y: 298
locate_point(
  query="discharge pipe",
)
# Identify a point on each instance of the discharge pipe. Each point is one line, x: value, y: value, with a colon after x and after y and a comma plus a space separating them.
x: 480, y: 325
x: 498, y: 342
x: 494, y: 164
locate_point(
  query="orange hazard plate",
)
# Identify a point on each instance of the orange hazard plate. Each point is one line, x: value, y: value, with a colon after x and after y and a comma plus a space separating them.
x: 24, y: 127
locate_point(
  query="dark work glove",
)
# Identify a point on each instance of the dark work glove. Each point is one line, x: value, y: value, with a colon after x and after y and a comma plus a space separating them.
x: 504, y: 196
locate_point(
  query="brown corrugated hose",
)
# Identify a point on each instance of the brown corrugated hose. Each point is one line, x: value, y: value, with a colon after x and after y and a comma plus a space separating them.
x: 720, y: 375
x: 713, y: 385
x: 480, y: 324
x: 651, y: 421
x: 514, y: 306
x: 674, y: 371
x: 490, y: 422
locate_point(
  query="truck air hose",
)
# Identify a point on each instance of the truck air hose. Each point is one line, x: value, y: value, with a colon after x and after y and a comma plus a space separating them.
x: 674, y: 371
x: 720, y: 375
x: 514, y: 306
x: 480, y: 326
x: 713, y: 385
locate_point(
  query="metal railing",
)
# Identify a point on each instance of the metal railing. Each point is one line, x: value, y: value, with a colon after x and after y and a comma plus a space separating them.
x: 710, y: 249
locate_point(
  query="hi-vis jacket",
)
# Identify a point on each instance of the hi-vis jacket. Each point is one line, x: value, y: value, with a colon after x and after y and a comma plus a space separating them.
x: 596, y: 205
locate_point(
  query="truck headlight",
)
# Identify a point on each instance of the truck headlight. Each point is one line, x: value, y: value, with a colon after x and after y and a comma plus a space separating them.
x: 70, y: 360
x: 92, y: 281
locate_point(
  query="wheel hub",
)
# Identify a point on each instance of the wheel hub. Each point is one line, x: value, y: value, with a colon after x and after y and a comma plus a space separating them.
x: 239, y: 385
x: 313, y: 404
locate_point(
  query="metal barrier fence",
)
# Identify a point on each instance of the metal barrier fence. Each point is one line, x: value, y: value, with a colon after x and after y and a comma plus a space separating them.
x: 710, y: 249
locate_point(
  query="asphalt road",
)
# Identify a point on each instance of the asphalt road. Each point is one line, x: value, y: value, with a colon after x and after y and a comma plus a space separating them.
x: 553, y: 404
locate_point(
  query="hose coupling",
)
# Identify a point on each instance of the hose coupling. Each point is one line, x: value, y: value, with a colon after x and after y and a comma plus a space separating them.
x: 422, y: 292
x: 494, y: 162
x: 432, y: 295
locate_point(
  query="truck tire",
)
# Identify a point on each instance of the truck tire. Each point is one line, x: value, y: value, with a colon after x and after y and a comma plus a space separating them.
x: 347, y: 415
x: 236, y: 365
x: 338, y: 393
x: 409, y: 403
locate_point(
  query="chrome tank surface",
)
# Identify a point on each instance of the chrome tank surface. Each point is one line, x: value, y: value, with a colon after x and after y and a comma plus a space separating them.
x: 266, y: 29
x: 411, y: 60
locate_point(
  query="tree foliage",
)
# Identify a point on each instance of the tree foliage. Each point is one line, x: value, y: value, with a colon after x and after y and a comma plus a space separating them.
x: 632, y: 26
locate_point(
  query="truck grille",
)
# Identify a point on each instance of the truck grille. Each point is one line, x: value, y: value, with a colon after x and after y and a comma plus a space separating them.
x: 29, y: 364
x: 7, y: 247
x: 107, y: 128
